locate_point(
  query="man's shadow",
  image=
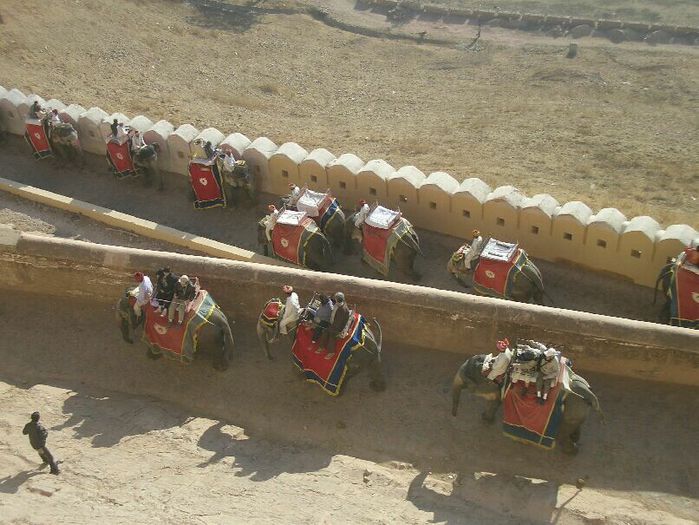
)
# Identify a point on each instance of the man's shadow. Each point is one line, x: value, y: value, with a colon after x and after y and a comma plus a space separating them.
x: 11, y: 484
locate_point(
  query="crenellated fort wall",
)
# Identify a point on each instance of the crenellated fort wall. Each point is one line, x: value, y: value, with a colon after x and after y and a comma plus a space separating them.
x: 603, y: 240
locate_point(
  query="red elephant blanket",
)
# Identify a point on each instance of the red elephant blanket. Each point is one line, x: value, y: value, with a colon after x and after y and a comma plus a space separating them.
x: 684, y: 297
x: 35, y: 135
x: 289, y: 237
x: 178, y: 341
x: 329, y: 374
x: 119, y: 158
x: 207, y: 184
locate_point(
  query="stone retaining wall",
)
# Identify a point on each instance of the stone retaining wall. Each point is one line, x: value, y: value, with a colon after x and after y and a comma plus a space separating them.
x: 410, y: 315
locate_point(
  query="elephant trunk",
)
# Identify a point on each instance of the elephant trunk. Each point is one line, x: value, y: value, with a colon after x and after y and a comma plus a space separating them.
x: 458, y: 384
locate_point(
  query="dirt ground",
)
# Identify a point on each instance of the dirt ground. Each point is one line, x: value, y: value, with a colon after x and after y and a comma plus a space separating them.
x: 258, y: 445
x: 614, y: 127
x: 603, y: 294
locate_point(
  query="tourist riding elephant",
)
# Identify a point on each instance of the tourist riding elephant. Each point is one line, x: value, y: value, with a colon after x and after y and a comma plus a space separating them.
x: 367, y: 356
x: 524, y: 281
x: 315, y: 251
x: 146, y: 161
x: 66, y: 144
x: 333, y: 228
x: 215, y: 336
x: 403, y: 255
x: 238, y: 180
x: 575, y: 410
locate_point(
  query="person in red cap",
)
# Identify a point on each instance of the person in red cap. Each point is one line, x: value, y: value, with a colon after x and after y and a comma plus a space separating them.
x: 292, y: 308
x: 362, y: 213
x: 144, y: 294
x: 501, y: 361
x: 271, y: 221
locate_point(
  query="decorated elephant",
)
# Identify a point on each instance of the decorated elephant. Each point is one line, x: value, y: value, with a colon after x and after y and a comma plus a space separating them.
x: 574, y: 409
x: 680, y: 286
x: 206, y: 326
x: 399, y: 246
x: 146, y: 162
x: 324, y: 209
x: 303, y: 244
x: 65, y: 143
x: 238, y: 180
x: 357, y: 348
x: 515, y: 277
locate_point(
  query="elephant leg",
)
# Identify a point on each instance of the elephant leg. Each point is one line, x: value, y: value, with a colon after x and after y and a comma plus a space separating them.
x: 153, y: 354
x: 568, y: 437
x: 378, y: 381
x: 125, y: 331
x: 488, y: 415
x: 221, y: 360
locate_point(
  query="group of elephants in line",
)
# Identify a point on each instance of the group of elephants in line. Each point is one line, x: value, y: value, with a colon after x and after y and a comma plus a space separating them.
x: 216, y: 340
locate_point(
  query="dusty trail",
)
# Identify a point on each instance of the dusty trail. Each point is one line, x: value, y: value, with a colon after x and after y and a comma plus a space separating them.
x: 594, y: 292
x: 643, y: 455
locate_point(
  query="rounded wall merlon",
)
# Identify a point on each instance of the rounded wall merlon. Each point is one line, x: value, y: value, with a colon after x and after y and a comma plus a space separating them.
x: 12, y: 117
x: 235, y: 143
x: 178, y: 145
x: 257, y: 155
x: 402, y: 187
x: 434, y: 201
x: 312, y: 170
x: 284, y: 167
x: 342, y: 179
x: 91, y: 138
x: 158, y: 133
x: 72, y: 114
x: 141, y: 123
x: 372, y: 180
x: 501, y: 213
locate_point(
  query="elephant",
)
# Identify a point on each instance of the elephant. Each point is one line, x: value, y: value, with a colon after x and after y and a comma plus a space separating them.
x: 316, y: 252
x: 367, y: 356
x: 215, y: 336
x: 525, y: 285
x: 65, y: 143
x: 238, y: 180
x: 404, y: 253
x: 334, y: 229
x: 575, y: 410
x: 146, y: 161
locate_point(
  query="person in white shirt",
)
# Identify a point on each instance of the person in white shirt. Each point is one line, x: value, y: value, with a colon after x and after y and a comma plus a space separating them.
x: 294, y: 194
x: 54, y: 118
x: 475, y: 249
x: 362, y: 213
x: 229, y: 161
x: 144, y: 293
x: 271, y: 221
x: 292, y: 308
x: 137, y: 142
x: 499, y: 365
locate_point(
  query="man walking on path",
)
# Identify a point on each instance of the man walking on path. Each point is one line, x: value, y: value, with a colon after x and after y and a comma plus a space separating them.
x: 37, y: 438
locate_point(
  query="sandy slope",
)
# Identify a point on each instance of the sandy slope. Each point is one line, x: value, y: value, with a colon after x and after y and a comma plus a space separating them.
x: 613, y: 127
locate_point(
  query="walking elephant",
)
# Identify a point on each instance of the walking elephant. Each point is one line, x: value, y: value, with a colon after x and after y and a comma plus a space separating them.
x: 213, y: 336
x: 365, y: 355
x: 330, y: 218
x: 238, y: 181
x: 146, y: 161
x: 575, y: 410
x: 521, y: 279
x: 66, y: 144
x: 310, y: 248
x: 402, y: 247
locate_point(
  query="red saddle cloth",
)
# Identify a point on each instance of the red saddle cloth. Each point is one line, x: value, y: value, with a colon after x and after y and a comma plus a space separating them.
x: 288, y: 239
x: 375, y: 242
x: 686, y: 298
x: 492, y: 276
x: 119, y: 156
x: 207, y: 184
x: 328, y: 373
x: 36, y: 136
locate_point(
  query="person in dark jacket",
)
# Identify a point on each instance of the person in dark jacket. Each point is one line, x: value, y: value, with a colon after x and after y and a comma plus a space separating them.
x: 338, y: 321
x: 184, y: 293
x: 37, y: 439
x: 165, y: 284
x: 209, y: 150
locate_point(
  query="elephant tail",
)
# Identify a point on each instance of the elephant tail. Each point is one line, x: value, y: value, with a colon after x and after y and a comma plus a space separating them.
x: 379, y: 342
